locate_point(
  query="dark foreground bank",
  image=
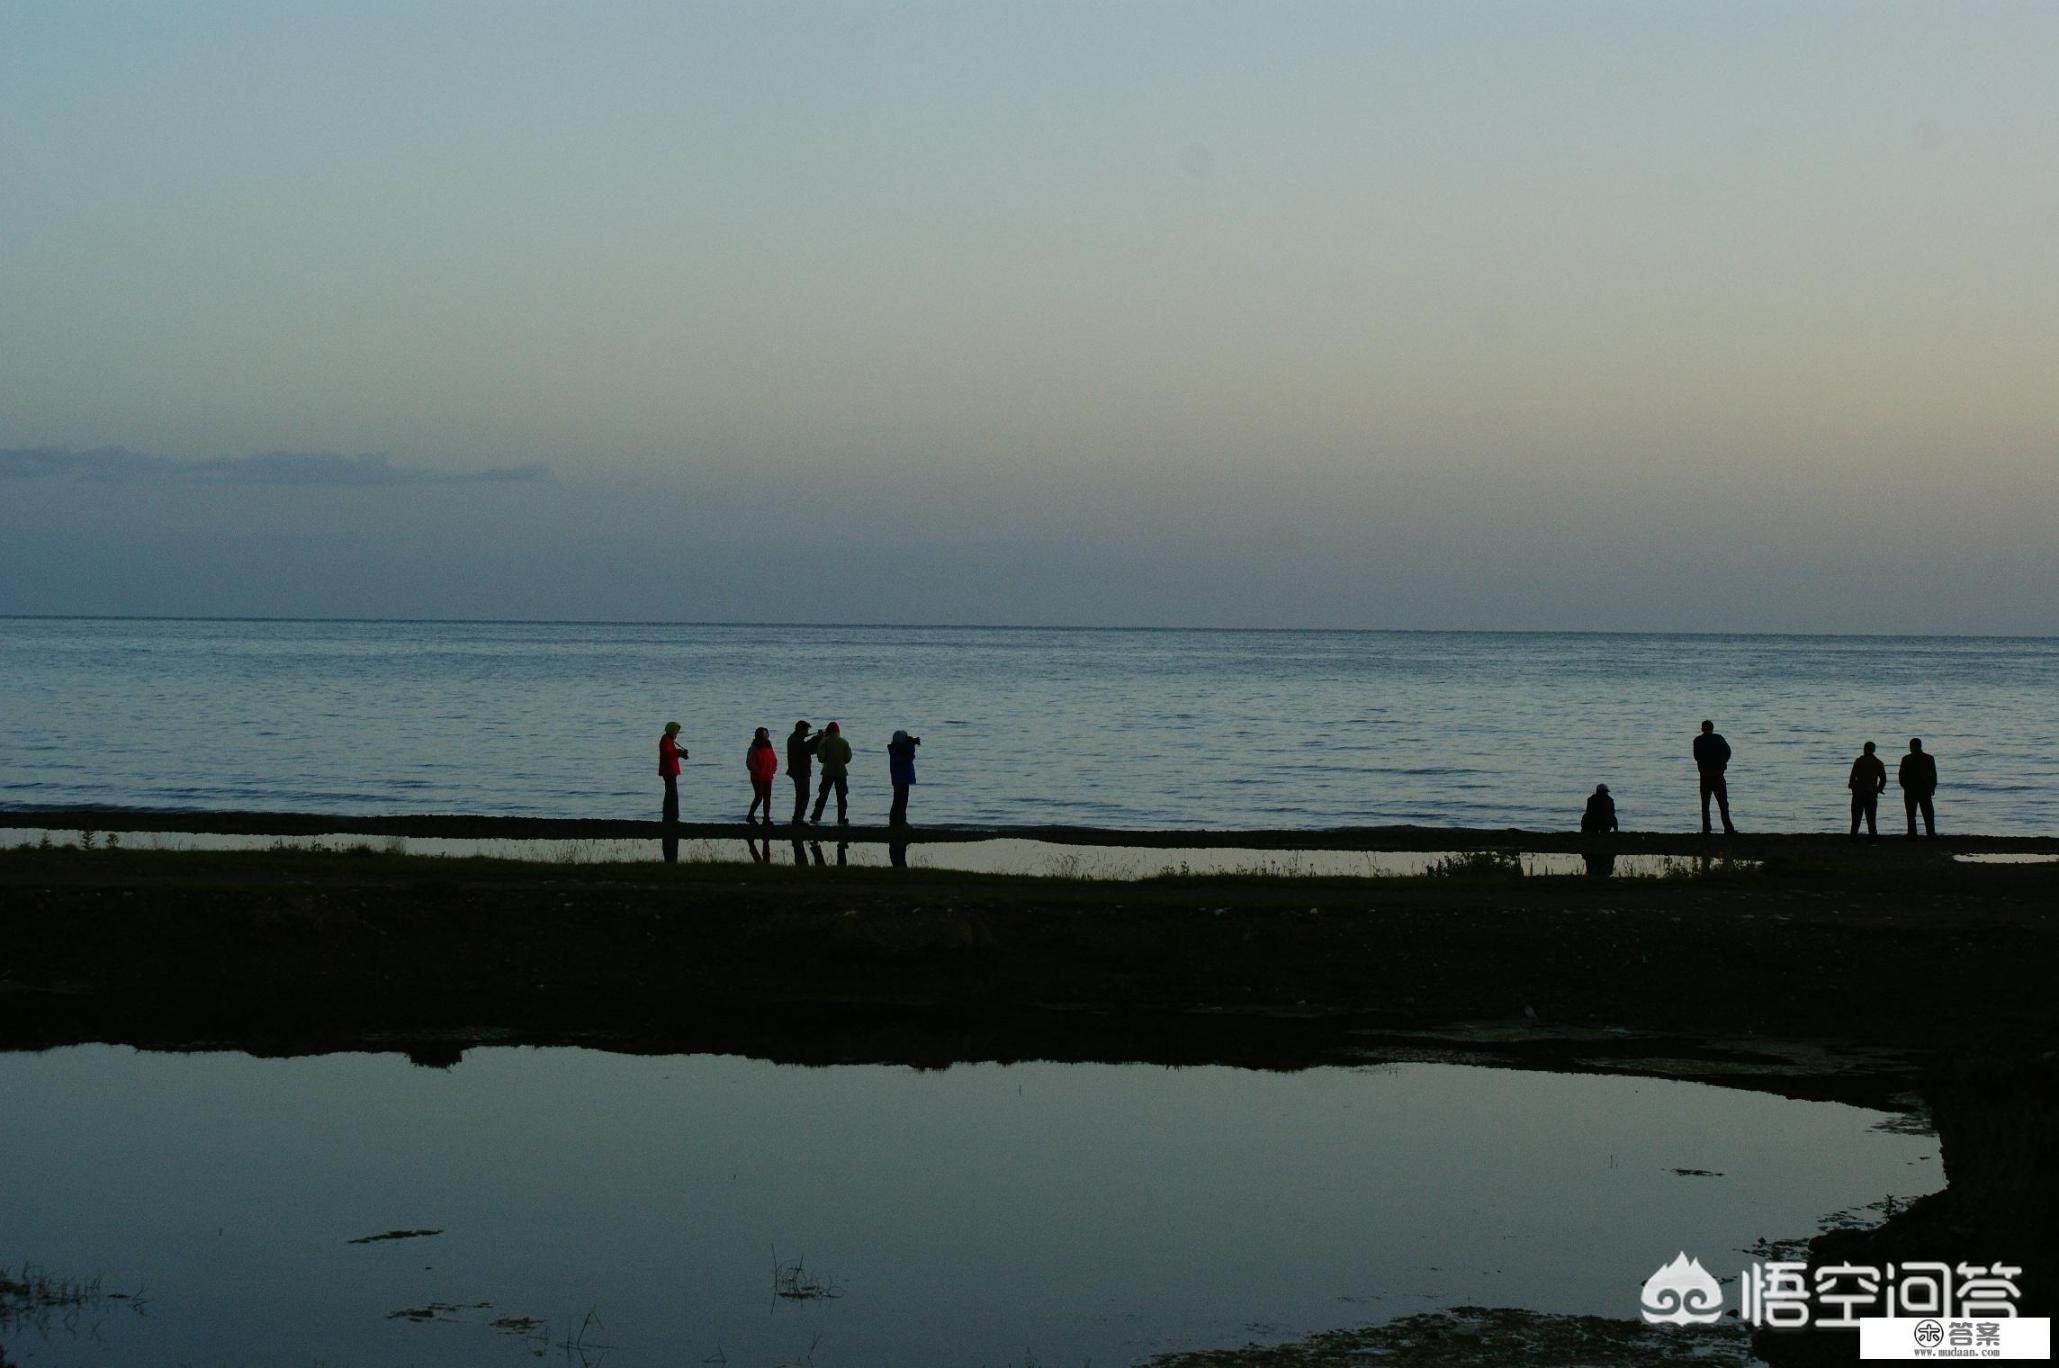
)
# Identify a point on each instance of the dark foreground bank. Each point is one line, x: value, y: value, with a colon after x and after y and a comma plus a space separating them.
x: 1825, y: 972
x: 1913, y: 954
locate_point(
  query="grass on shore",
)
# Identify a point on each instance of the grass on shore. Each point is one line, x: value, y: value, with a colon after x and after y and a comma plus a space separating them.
x: 1468, y: 873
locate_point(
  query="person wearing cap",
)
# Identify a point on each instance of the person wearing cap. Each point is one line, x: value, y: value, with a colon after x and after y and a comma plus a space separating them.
x: 1600, y: 817
x: 800, y: 765
x: 835, y: 754
x: 761, y: 762
x: 670, y: 753
x: 901, y: 768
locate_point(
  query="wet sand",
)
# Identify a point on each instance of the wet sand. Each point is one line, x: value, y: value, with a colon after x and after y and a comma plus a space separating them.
x: 462, y: 826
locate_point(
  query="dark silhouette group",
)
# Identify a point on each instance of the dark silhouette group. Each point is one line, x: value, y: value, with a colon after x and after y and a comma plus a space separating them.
x: 806, y: 749
x: 1917, y: 777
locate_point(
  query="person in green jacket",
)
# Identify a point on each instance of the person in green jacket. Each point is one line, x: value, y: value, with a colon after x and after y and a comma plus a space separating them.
x: 834, y: 755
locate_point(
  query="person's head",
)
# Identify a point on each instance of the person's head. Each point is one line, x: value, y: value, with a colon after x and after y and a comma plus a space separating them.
x: 900, y: 738
x: 1915, y: 743
x: 762, y: 735
x: 1601, y: 790
x: 801, y: 727
x: 1707, y: 727
x: 1869, y: 748
x: 834, y: 730
x: 671, y: 729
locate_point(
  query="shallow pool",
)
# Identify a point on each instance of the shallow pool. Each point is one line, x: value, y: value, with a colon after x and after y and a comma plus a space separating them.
x: 979, y: 1214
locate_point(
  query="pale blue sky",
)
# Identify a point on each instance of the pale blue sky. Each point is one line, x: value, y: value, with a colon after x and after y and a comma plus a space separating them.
x: 1499, y: 315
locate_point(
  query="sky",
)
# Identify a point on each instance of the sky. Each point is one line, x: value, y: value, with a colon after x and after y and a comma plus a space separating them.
x: 1499, y: 316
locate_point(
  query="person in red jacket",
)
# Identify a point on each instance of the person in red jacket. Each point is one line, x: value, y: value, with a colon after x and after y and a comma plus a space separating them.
x: 668, y: 767
x: 763, y: 762
x: 670, y: 753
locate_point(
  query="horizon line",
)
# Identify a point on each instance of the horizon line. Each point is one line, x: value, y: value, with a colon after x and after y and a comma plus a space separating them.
x: 1011, y: 627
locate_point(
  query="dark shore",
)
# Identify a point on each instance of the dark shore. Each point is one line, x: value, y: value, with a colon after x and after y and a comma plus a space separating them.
x: 1889, y: 976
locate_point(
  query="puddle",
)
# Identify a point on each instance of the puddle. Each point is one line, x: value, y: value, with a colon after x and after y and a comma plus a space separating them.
x: 704, y: 1209
x: 2007, y: 859
x: 1002, y: 855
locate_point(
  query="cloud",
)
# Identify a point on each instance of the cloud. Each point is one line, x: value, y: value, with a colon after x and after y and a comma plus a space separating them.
x: 119, y: 465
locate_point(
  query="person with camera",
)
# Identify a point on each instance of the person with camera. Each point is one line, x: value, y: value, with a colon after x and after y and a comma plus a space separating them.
x: 901, y: 769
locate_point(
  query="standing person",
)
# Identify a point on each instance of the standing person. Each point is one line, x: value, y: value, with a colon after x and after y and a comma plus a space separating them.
x: 800, y: 764
x: 1868, y: 782
x: 1600, y: 817
x: 670, y: 753
x: 901, y: 768
x: 1918, y: 776
x: 762, y: 762
x: 835, y: 754
x: 1712, y: 757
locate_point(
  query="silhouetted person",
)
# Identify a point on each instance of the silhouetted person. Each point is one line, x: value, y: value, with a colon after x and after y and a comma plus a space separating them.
x: 901, y: 768
x: 761, y: 762
x: 835, y: 754
x: 1601, y: 864
x: 670, y: 753
x: 1712, y: 757
x: 760, y: 855
x: 1918, y: 776
x: 897, y: 852
x: 1868, y: 782
x: 800, y: 765
x: 1600, y: 817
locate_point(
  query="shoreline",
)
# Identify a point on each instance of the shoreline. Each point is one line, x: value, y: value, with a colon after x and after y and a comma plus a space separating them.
x: 481, y: 826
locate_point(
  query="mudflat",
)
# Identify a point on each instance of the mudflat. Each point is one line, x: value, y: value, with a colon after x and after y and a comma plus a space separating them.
x: 1875, y: 947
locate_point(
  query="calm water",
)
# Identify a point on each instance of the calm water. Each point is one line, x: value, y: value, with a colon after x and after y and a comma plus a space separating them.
x: 982, y: 1214
x: 1112, y: 728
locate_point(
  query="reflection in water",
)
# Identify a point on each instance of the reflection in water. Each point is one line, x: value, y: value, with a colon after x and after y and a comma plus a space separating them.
x: 979, y: 1213
x: 1000, y: 855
